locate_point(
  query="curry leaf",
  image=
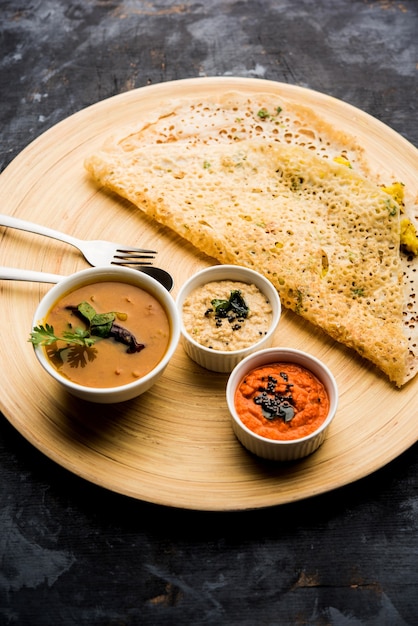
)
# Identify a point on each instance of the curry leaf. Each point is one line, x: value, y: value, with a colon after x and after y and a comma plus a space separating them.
x: 87, y: 310
x: 100, y: 323
x: 236, y: 303
x: 220, y: 305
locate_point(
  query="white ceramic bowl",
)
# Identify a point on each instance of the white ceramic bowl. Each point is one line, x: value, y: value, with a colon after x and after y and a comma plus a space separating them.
x: 273, y: 449
x: 220, y: 360
x: 113, y: 273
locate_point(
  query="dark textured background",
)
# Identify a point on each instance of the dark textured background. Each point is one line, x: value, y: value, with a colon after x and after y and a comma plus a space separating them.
x: 73, y: 554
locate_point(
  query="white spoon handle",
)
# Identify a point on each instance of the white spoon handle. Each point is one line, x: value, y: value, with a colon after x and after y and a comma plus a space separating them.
x: 15, y: 222
x: 10, y: 273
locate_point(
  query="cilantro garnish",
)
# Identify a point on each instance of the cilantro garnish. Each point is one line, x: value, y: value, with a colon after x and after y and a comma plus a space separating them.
x: 45, y: 336
x: 263, y: 114
x: 99, y: 326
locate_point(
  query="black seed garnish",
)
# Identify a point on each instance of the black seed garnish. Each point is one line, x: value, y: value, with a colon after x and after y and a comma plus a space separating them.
x: 234, y: 310
x: 273, y: 403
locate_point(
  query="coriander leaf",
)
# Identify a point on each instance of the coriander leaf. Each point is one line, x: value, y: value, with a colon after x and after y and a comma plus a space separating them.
x: 263, y: 114
x: 45, y: 336
x: 79, y: 337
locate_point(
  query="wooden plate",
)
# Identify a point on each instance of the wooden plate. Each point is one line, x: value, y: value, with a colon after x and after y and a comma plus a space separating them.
x: 175, y: 446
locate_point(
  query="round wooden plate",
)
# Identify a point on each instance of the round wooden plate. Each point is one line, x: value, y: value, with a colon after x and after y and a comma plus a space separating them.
x: 174, y: 445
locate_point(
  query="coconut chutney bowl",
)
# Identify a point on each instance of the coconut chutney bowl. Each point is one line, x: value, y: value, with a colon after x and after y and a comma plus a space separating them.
x: 282, y: 402
x: 106, y: 334
x: 226, y: 313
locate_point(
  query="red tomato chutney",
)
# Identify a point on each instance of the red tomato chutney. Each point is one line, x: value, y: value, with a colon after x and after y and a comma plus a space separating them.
x: 281, y: 401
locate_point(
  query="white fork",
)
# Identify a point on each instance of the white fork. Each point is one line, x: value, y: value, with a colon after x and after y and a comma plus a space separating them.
x: 95, y: 252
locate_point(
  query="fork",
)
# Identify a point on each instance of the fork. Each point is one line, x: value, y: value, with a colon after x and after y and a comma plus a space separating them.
x: 96, y: 252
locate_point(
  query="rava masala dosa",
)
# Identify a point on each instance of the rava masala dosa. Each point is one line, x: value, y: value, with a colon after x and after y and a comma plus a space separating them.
x: 295, y: 206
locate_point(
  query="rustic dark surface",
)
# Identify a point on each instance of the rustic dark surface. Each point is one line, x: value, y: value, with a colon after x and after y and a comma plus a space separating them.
x: 74, y: 554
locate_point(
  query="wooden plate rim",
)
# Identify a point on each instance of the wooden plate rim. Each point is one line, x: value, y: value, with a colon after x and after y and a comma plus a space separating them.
x: 260, y: 484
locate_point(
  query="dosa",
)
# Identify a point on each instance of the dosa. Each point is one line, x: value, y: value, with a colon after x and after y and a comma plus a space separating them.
x: 325, y: 235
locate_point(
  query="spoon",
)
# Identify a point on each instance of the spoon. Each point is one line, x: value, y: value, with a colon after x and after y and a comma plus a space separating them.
x: 159, y: 274
x: 10, y: 273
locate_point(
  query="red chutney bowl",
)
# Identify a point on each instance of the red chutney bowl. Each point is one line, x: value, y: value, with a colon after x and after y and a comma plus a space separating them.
x: 282, y: 402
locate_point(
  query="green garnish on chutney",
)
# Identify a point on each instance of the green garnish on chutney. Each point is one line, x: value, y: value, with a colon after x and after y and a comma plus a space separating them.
x: 235, y: 304
x: 234, y: 310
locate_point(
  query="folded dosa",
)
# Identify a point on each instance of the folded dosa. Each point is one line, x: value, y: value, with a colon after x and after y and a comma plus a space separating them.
x: 325, y: 236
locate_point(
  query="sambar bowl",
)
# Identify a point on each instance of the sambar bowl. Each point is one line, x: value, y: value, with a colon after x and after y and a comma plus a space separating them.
x: 140, y: 284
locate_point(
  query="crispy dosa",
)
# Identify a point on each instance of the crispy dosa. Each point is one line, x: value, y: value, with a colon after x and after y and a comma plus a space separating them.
x: 278, y: 200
